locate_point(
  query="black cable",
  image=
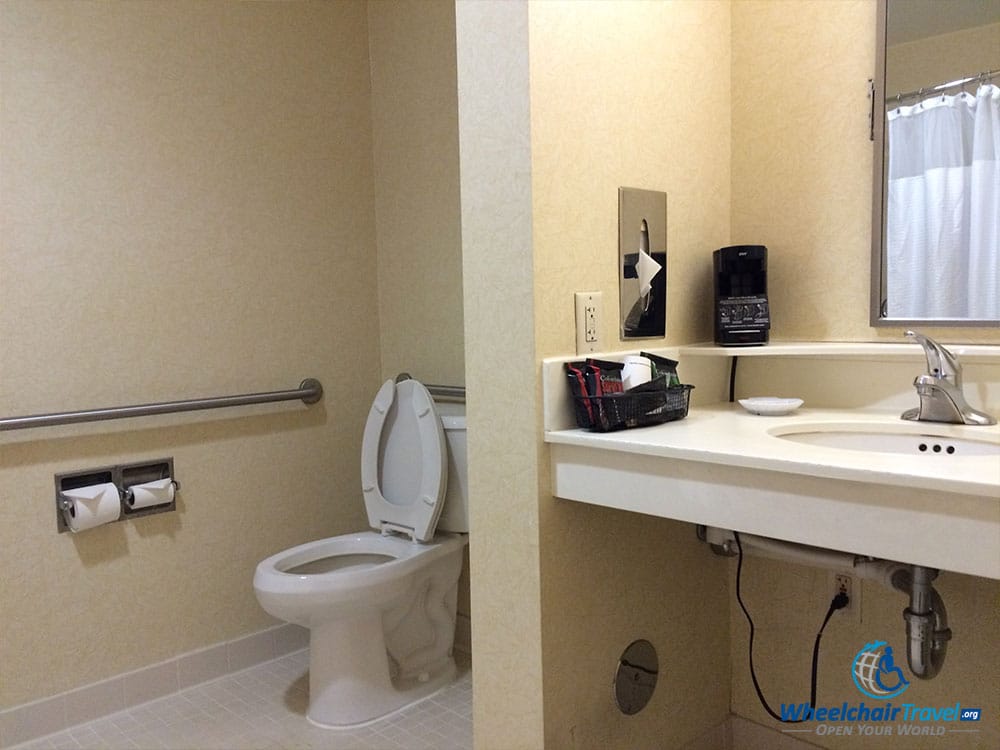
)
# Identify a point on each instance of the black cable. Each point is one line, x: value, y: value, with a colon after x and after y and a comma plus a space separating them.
x: 732, y: 380
x: 840, y: 601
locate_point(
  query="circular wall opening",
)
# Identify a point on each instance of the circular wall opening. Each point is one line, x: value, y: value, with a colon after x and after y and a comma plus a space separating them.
x: 635, y: 677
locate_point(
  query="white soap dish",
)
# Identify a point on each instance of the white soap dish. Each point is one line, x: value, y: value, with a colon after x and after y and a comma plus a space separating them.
x: 770, y: 406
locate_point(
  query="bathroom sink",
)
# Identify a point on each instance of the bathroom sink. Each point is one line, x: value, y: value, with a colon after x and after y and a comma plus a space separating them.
x: 887, y: 440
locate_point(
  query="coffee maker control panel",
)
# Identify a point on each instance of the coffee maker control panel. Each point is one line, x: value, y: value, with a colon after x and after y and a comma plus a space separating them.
x: 748, y: 311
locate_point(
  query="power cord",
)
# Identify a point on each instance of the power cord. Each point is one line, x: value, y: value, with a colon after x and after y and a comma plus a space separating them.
x: 840, y: 601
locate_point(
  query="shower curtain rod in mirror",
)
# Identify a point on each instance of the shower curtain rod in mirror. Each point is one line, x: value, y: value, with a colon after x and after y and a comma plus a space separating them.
x: 983, y: 77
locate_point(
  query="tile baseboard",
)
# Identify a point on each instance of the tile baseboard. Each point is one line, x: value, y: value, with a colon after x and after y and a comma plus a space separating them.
x: 737, y: 733
x: 719, y: 737
x: 748, y: 735
x: 49, y: 715
x: 463, y: 634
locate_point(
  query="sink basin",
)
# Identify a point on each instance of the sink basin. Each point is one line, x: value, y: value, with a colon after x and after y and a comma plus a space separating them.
x: 887, y: 440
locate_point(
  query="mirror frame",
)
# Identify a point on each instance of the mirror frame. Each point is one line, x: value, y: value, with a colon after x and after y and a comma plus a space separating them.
x: 879, y: 167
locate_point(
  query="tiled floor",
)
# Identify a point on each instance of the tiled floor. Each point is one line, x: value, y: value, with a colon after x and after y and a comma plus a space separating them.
x: 263, y: 708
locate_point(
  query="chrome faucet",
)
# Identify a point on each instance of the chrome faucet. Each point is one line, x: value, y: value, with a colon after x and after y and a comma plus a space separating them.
x: 940, y: 389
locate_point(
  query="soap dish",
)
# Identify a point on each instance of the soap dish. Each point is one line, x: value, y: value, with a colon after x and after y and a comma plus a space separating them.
x: 770, y: 406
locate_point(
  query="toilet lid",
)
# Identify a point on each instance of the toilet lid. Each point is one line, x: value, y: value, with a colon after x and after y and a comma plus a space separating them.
x: 404, y: 457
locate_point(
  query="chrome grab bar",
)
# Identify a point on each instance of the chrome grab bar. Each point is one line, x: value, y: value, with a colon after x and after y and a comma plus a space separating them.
x: 447, y: 392
x: 440, y: 392
x: 309, y: 391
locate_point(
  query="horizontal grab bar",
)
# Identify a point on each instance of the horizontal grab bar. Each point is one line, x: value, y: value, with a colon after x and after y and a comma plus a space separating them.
x: 309, y: 391
x: 443, y: 392
x: 447, y: 392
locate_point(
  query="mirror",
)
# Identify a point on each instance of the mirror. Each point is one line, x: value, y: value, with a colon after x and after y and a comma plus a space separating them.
x: 935, y: 234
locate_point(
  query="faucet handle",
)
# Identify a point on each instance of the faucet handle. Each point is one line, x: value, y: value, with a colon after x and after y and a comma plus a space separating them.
x: 941, y: 363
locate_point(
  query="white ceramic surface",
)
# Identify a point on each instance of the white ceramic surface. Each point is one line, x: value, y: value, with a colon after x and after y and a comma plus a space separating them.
x: 928, y: 444
x: 404, y: 461
x: 372, y: 600
x: 770, y: 406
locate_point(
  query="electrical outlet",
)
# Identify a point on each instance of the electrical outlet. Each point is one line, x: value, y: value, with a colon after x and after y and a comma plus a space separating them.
x: 844, y: 582
x: 588, y: 322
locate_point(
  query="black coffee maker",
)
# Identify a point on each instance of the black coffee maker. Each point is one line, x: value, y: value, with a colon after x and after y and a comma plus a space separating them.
x: 742, y: 316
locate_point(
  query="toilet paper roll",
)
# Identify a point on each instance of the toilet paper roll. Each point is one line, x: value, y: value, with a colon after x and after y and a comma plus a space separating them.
x: 92, y: 506
x: 149, y: 494
x: 636, y: 371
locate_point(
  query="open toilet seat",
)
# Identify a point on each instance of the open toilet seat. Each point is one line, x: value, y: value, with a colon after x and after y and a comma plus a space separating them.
x: 404, y: 461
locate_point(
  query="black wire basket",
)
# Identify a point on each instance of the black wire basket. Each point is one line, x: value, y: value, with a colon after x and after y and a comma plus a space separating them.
x: 619, y: 411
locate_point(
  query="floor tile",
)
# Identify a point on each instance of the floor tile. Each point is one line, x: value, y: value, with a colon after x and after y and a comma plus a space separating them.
x: 263, y: 708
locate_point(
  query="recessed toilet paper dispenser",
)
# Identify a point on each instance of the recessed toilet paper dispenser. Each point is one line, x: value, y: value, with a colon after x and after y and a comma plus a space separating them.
x: 93, y: 497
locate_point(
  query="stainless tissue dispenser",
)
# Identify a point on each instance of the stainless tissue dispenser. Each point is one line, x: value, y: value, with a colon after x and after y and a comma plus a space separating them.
x: 642, y: 241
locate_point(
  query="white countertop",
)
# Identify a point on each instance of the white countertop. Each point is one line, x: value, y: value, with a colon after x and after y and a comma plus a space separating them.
x: 728, y: 435
x: 882, y: 350
x: 722, y: 466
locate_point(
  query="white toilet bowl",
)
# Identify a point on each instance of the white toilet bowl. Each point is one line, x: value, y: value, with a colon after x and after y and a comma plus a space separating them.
x: 381, y: 614
x: 380, y: 606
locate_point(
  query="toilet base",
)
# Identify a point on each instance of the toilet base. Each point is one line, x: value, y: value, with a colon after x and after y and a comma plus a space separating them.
x: 351, y: 686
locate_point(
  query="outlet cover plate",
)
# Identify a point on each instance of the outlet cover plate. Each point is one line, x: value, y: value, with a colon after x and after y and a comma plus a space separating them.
x: 588, y: 322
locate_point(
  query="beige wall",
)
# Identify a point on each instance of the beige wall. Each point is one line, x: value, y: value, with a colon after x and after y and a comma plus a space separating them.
x: 502, y: 408
x: 942, y: 58
x: 626, y: 94
x: 802, y: 160
x: 187, y: 203
x: 415, y: 136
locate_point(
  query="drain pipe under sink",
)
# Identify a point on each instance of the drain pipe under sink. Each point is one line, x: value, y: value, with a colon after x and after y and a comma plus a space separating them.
x: 927, y: 631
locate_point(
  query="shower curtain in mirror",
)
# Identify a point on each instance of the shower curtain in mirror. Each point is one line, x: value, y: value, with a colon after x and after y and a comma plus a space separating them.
x: 943, y: 207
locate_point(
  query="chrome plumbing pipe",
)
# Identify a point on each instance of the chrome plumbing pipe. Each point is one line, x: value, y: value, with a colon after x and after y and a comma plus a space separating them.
x: 927, y: 630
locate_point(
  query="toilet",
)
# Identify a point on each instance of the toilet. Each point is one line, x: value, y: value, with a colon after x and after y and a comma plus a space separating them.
x: 380, y: 605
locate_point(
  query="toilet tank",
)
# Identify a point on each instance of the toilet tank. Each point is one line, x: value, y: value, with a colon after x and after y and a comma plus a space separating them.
x: 455, y: 516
